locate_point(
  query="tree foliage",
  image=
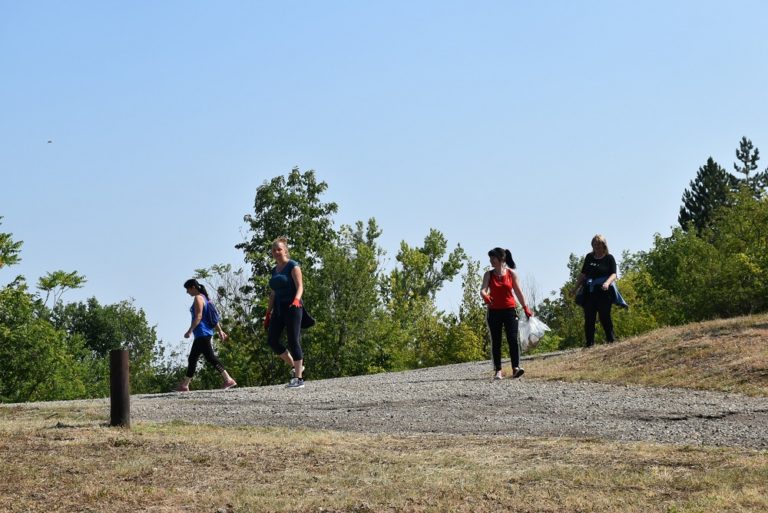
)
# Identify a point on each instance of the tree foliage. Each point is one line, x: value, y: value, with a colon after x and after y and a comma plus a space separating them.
x: 708, y: 191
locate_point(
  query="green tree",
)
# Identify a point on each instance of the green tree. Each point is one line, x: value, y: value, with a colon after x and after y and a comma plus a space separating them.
x: 9, y: 249
x: 288, y: 206
x: 708, y: 191
x: 748, y: 156
x: 106, y: 327
x: 37, y: 361
x: 345, y: 299
x: 472, y: 311
x: 409, y: 293
x: 54, y: 284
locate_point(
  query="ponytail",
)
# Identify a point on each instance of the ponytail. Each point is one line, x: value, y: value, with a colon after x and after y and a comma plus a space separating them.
x: 198, y: 286
x: 503, y: 254
x: 508, y: 259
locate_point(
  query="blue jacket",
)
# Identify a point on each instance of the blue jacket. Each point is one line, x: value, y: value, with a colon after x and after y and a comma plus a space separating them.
x: 614, y: 290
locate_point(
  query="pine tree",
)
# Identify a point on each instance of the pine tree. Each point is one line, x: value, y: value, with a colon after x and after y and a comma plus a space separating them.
x: 709, y: 190
x: 749, y: 155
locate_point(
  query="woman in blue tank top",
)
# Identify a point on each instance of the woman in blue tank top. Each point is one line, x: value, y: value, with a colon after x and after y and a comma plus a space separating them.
x: 285, y: 311
x: 203, y: 336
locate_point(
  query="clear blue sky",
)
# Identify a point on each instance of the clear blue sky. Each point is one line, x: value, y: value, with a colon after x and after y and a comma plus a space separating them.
x: 530, y: 125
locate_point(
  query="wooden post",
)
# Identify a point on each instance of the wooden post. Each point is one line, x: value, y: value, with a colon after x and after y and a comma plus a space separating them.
x: 119, y: 389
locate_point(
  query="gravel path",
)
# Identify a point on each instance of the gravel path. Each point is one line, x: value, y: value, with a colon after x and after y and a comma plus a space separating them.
x: 461, y: 399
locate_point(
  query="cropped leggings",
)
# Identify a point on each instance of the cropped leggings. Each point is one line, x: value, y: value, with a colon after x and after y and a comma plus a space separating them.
x: 507, y: 319
x: 288, y: 318
x: 202, y: 346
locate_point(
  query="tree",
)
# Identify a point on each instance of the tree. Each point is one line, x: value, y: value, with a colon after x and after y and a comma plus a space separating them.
x: 709, y: 190
x: 410, y: 292
x: 748, y: 155
x: 9, y: 249
x: 106, y: 327
x: 345, y: 299
x: 37, y: 361
x: 291, y: 207
x: 56, y: 283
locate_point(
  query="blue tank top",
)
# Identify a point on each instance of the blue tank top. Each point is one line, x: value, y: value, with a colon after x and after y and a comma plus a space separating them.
x: 202, y: 329
x: 282, y: 283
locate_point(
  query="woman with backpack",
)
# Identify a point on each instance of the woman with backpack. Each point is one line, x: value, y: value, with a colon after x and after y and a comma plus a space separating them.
x: 285, y: 310
x: 204, y: 324
x: 500, y: 286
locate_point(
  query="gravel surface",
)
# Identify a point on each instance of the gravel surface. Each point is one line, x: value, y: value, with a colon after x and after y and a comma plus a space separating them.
x: 462, y: 399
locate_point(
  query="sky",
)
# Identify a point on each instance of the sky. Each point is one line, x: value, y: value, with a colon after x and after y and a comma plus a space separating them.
x: 526, y: 125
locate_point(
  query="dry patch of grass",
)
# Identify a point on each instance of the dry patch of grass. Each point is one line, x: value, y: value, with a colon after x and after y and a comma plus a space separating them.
x: 63, y: 461
x: 725, y: 355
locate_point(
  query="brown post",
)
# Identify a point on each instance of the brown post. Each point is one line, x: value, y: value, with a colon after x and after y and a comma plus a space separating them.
x: 119, y: 390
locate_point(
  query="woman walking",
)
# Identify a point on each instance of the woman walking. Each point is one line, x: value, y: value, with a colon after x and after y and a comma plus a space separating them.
x: 500, y: 286
x: 285, y: 310
x: 203, y: 332
x: 597, y: 274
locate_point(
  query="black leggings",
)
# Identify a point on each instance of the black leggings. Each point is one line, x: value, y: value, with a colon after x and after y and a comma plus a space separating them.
x: 202, y: 346
x: 598, y: 302
x: 289, y: 318
x: 507, y: 318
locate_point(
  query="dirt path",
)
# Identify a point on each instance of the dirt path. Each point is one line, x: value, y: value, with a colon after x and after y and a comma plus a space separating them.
x: 461, y: 399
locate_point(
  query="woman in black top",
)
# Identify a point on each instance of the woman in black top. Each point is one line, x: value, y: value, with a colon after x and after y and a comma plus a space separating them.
x: 597, y: 275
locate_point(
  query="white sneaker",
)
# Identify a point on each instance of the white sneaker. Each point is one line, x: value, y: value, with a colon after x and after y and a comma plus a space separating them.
x: 295, y: 383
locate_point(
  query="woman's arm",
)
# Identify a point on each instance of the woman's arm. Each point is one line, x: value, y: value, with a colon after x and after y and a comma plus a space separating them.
x: 519, y: 294
x: 485, y: 289
x: 299, y: 281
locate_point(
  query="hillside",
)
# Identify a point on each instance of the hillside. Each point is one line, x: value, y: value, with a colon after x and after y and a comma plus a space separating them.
x: 729, y: 355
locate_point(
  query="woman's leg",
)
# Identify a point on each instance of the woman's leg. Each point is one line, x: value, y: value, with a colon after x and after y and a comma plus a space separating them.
x: 206, y: 348
x: 293, y: 328
x: 590, y: 316
x: 494, y: 328
x: 510, y: 323
x: 604, y: 311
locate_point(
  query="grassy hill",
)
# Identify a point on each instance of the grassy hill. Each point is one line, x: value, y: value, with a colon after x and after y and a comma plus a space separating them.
x: 729, y: 355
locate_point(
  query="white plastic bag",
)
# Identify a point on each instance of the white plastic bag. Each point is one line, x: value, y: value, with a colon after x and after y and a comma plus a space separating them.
x: 529, y: 332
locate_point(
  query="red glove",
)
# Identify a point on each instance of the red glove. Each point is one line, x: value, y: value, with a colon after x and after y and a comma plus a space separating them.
x: 486, y: 298
x: 527, y: 311
x: 266, y: 320
x: 296, y: 302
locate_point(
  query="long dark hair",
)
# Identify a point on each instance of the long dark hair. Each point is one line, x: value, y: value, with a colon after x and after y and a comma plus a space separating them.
x: 198, y: 286
x: 503, y: 254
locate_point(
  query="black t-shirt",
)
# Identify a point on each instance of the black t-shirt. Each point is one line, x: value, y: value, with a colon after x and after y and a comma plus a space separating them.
x: 597, y: 267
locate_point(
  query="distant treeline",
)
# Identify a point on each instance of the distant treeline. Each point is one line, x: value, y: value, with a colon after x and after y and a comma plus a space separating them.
x: 715, y: 264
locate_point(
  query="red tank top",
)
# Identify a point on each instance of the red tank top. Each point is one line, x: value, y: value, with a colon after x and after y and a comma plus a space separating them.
x: 501, y: 291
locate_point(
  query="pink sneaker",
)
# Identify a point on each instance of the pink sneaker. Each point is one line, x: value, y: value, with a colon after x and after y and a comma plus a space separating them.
x: 182, y: 388
x: 229, y: 384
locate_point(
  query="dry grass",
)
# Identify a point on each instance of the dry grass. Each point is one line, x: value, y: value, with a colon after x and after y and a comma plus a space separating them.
x: 63, y: 461
x: 725, y: 355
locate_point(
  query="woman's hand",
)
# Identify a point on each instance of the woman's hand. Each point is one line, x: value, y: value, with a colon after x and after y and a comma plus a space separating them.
x: 606, y: 285
x: 188, y: 334
x: 486, y: 298
x: 527, y: 311
x: 267, y: 317
x: 296, y: 303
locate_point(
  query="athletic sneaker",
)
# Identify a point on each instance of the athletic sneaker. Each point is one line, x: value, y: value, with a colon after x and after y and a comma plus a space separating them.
x: 293, y: 371
x: 295, y: 383
x: 498, y: 376
x: 229, y: 384
x: 519, y: 372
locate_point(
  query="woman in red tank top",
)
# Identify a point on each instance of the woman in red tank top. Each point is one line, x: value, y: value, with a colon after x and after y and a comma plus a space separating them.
x: 500, y: 287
